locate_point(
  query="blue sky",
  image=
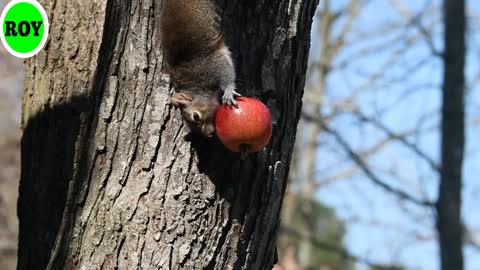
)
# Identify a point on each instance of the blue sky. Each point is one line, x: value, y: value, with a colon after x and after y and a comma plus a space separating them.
x: 380, y: 227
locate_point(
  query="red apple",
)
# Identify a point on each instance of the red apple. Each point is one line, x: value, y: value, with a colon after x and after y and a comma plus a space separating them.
x: 246, y: 128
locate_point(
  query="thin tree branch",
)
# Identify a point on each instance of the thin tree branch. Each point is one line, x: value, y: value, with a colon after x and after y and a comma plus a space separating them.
x: 470, y: 238
x: 400, y: 138
x: 416, y: 20
x: 365, y: 168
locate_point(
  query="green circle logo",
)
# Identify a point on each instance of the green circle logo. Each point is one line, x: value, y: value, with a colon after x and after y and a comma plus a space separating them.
x: 24, y: 28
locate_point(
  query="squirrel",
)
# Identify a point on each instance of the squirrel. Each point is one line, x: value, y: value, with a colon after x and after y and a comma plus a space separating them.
x: 198, y: 61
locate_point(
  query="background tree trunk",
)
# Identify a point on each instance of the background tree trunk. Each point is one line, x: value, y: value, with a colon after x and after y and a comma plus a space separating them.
x: 110, y: 176
x: 449, y: 222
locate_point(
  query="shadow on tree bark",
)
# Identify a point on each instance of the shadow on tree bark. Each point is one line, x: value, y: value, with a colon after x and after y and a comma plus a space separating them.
x: 48, y: 149
x: 54, y: 150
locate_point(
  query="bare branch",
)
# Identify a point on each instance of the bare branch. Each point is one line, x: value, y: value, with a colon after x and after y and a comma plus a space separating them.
x: 399, y: 138
x: 416, y: 20
x: 365, y: 168
x: 471, y: 238
x: 365, y: 154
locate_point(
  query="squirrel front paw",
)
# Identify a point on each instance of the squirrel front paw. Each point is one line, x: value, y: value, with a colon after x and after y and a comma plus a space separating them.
x: 229, y: 97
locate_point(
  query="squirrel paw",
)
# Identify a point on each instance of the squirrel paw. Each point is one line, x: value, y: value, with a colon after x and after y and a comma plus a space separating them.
x: 229, y: 98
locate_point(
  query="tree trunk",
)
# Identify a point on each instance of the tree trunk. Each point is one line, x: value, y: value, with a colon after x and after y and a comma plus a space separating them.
x: 453, y: 136
x: 111, y: 177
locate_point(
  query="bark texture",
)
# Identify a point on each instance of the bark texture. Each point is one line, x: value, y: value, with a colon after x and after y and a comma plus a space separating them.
x: 449, y: 222
x: 111, y: 177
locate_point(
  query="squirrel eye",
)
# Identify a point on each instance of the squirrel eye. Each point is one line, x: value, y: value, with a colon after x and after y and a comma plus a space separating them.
x: 196, y: 117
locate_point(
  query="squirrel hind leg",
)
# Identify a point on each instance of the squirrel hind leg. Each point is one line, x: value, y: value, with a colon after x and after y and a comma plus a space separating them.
x: 181, y: 99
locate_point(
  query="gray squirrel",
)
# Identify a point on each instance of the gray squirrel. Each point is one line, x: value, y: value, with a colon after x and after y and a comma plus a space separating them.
x: 198, y: 61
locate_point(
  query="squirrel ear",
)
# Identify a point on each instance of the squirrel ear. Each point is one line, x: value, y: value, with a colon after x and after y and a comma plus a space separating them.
x: 181, y: 99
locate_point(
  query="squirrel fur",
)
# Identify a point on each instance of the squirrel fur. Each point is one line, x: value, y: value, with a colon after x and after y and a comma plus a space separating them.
x: 198, y: 61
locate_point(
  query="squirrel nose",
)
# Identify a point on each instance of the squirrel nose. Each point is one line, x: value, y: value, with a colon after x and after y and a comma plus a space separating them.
x: 209, y: 133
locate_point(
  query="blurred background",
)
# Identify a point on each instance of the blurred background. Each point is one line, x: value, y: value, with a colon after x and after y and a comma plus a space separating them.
x: 11, y: 84
x: 365, y: 173
x: 366, y: 164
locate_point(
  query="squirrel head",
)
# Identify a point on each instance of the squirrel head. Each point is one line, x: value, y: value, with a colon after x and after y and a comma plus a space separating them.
x: 198, y: 111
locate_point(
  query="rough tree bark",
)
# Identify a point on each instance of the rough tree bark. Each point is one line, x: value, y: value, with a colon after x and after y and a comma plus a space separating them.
x: 111, y: 177
x: 449, y: 222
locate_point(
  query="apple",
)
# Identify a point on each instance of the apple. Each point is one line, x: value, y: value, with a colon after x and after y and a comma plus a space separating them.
x: 245, y: 128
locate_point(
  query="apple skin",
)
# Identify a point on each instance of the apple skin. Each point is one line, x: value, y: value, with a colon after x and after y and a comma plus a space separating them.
x: 246, y: 127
